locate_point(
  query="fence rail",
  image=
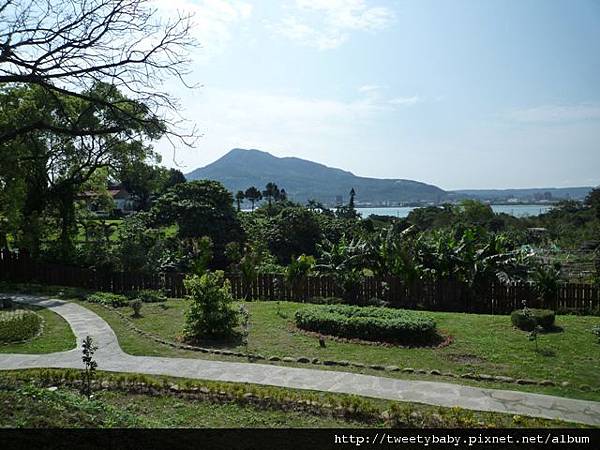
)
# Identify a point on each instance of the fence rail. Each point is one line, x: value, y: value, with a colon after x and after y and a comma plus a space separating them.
x: 440, y: 295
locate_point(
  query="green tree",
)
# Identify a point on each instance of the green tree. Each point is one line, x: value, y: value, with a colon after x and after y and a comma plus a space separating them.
x: 294, y: 231
x: 55, y: 167
x: 271, y: 193
x: 239, y: 198
x: 211, y: 313
x: 253, y: 194
x: 593, y: 201
x: 201, y: 208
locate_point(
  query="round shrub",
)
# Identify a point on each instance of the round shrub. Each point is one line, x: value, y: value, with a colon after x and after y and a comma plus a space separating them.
x: 527, y: 322
x: 368, y: 323
x: 19, y: 325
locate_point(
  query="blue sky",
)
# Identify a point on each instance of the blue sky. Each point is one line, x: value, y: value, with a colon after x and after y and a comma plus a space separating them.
x: 461, y: 94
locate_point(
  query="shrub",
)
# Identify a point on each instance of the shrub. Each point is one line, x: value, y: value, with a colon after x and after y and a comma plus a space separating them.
x: 19, y: 325
x: 108, y: 299
x: 368, y: 323
x: 527, y: 322
x: 211, y: 313
x: 136, y: 306
x: 151, y: 296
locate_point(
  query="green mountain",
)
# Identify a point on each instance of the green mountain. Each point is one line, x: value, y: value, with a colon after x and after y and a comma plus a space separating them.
x: 303, y: 180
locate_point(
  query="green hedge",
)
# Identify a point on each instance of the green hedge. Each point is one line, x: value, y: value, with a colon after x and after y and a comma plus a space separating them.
x: 542, y: 317
x: 368, y: 323
x: 19, y: 325
x: 108, y: 299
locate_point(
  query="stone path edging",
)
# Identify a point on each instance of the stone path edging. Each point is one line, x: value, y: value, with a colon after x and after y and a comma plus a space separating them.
x: 111, y: 358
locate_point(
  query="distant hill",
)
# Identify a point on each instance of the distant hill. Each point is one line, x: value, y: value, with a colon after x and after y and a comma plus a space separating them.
x: 303, y: 180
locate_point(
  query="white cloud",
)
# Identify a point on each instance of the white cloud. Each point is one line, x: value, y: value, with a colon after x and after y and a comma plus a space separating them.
x: 556, y: 113
x: 212, y: 22
x: 327, y: 24
x: 405, y: 101
x: 280, y: 122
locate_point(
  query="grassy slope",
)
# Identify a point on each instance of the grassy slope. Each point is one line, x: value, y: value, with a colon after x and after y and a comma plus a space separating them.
x: 56, y: 335
x: 482, y: 344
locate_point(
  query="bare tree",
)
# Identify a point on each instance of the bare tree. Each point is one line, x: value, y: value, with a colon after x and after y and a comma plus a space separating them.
x: 68, y: 46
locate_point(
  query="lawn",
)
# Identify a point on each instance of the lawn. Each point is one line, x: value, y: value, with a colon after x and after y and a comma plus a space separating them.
x: 36, y: 406
x: 482, y: 344
x: 56, y: 335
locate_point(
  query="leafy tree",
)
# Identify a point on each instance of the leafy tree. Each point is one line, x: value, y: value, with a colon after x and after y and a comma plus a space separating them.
x: 294, y: 231
x: 593, y: 200
x: 253, y: 194
x: 64, y: 47
x: 201, y: 208
x: 143, y: 180
x: 352, y: 195
x: 174, y: 177
x: 56, y: 167
x: 297, y: 272
x: 271, y: 193
x: 239, y: 198
x: 211, y: 313
x: 546, y: 281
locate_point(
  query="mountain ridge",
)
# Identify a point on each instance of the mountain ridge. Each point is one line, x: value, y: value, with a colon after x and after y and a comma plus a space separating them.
x: 303, y: 180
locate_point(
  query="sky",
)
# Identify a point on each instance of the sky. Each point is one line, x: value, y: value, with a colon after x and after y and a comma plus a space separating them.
x: 460, y: 94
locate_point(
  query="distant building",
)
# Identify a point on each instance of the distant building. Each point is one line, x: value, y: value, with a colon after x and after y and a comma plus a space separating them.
x: 124, y: 202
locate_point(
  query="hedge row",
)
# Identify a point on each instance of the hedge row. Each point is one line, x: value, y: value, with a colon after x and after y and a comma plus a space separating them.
x: 19, y: 325
x: 368, y: 323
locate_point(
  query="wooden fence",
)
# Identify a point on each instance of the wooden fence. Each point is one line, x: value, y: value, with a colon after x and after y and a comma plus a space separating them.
x: 441, y: 295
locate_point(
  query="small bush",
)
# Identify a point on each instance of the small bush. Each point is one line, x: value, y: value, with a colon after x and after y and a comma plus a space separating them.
x: 108, y: 299
x: 211, y: 312
x: 368, y: 323
x: 151, y: 296
x: 136, y: 306
x: 527, y: 322
x: 19, y: 325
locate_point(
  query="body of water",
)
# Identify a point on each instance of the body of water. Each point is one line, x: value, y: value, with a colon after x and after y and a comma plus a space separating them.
x: 514, y: 210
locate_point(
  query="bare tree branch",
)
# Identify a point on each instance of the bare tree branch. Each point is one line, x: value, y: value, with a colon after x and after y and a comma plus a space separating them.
x: 68, y: 46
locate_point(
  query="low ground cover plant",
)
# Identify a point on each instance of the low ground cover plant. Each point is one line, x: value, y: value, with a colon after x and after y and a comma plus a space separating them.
x: 528, y: 319
x: 19, y: 325
x: 368, y: 323
x: 108, y: 299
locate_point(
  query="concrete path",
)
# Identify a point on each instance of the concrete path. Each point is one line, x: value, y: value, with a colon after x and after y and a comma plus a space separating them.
x: 110, y: 357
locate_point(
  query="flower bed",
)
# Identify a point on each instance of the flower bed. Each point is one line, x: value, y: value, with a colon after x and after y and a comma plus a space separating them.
x: 368, y: 323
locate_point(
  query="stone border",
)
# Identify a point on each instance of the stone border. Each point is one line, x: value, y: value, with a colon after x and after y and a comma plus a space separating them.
x: 326, y: 362
x: 35, y: 336
x: 361, y: 410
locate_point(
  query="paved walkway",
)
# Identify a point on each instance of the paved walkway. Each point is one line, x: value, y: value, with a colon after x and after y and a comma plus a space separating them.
x: 110, y: 357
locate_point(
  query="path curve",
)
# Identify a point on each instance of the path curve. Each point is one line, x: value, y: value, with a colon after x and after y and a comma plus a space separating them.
x: 110, y: 357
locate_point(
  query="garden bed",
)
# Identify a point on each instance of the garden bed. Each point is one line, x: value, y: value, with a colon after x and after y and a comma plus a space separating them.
x: 372, y: 323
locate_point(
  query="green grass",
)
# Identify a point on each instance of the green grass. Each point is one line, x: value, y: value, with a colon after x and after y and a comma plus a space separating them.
x: 37, y: 407
x: 56, y: 335
x: 482, y: 344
